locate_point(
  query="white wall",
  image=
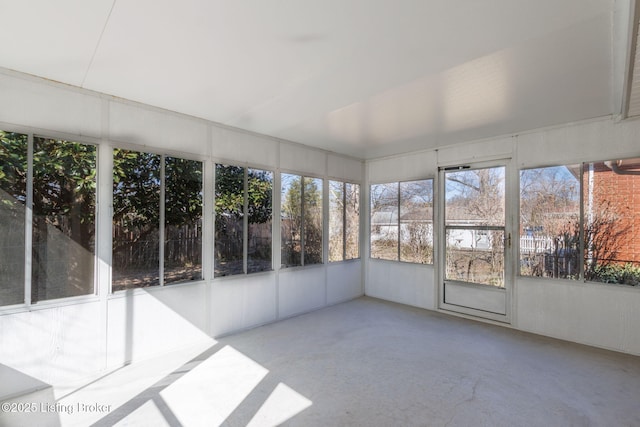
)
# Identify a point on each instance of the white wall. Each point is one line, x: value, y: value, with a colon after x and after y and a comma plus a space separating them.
x: 58, y: 342
x: 590, y: 313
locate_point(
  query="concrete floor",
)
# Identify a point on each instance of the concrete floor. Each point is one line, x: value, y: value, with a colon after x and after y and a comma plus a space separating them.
x: 374, y: 363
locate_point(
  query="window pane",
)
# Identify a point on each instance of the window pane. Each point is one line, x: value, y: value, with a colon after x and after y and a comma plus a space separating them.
x: 416, y: 221
x: 229, y: 220
x: 475, y: 197
x: 384, y: 221
x: 136, y: 219
x: 352, y: 215
x: 13, y: 184
x: 312, y: 221
x: 64, y: 189
x: 336, y: 221
x: 549, y: 222
x: 612, y: 221
x: 291, y: 220
x: 260, y: 196
x: 183, y: 220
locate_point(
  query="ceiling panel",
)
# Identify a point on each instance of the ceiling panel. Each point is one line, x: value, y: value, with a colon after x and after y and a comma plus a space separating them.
x: 360, y: 77
x: 51, y: 39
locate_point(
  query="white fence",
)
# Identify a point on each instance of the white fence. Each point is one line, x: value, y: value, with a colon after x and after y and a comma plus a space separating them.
x: 531, y: 244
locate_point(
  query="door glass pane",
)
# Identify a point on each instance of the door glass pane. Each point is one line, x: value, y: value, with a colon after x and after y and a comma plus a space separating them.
x: 475, y: 197
x: 475, y: 255
x: 474, y: 208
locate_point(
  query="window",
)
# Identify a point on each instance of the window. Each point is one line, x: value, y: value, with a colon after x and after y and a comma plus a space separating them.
x: 416, y: 221
x: 136, y: 219
x: 550, y: 222
x: 64, y: 204
x: 599, y: 245
x: 611, y: 222
x: 384, y: 221
x: 301, y: 220
x: 244, y: 216
x: 155, y: 199
x: 13, y: 198
x: 402, y: 221
x: 259, y: 219
x: 183, y: 220
x: 61, y: 249
x: 344, y: 220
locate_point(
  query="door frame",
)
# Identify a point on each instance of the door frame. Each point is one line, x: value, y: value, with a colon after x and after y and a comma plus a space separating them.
x: 511, y: 234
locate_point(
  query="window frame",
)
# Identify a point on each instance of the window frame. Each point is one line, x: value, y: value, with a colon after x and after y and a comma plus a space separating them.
x: 245, y: 218
x: 582, y: 221
x: 397, y: 184
x: 161, y: 215
x: 344, y: 220
x: 27, y: 303
x: 324, y: 201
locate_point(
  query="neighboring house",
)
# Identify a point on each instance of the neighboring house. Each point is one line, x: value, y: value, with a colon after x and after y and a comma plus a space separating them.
x: 613, y: 189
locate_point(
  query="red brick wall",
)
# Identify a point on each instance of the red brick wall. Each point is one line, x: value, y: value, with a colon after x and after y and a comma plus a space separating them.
x: 622, y: 194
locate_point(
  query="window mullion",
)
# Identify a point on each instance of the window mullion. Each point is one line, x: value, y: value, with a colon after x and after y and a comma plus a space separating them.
x: 344, y: 221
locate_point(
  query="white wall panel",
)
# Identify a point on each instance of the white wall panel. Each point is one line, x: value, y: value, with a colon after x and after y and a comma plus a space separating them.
x: 587, y: 141
x: 187, y: 300
x: 344, y: 168
x: 161, y: 130
x: 476, y: 151
x: 302, y: 159
x: 344, y: 281
x: 140, y: 326
x: 403, y: 168
x: 241, y: 302
x: 53, y: 345
x: 589, y: 313
x: 34, y: 103
x: 244, y: 147
x: 301, y: 289
x: 411, y: 284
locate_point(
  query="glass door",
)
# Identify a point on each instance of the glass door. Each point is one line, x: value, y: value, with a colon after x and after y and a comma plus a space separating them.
x: 475, y: 241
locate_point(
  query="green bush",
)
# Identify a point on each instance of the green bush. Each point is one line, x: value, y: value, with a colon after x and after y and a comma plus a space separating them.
x: 627, y: 274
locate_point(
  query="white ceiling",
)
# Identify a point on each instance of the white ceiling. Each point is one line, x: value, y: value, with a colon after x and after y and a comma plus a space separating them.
x: 360, y: 77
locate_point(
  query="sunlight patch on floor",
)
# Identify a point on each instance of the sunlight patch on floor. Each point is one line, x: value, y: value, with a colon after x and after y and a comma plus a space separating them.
x: 211, y: 391
x: 282, y: 404
x: 118, y: 387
